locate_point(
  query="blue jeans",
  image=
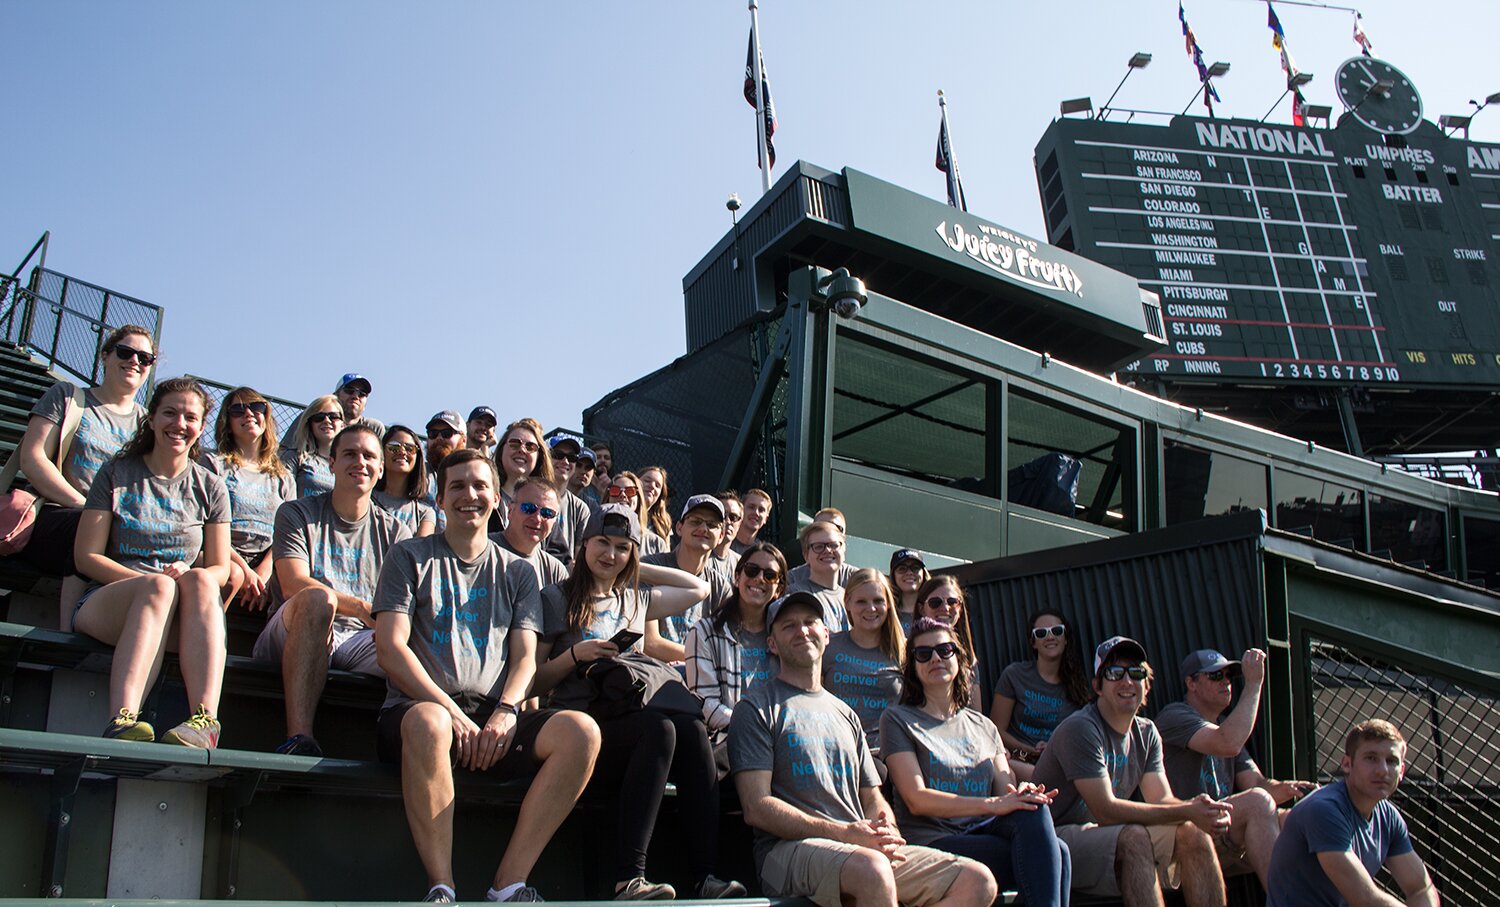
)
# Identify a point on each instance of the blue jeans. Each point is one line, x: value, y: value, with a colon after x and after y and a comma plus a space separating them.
x: 1023, y: 852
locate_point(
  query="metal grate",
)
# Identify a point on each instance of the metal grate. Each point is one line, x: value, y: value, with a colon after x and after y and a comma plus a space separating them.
x: 285, y: 412
x: 1453, y: 758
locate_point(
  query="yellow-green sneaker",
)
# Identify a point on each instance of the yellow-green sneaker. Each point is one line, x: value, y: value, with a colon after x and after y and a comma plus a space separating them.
x: 200, y: 731
x: 128, y: 726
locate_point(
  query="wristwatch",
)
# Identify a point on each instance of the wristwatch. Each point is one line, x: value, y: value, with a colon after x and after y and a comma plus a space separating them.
x: 513, y: 709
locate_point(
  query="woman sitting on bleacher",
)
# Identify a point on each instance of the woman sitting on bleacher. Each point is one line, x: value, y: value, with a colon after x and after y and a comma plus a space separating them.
x: 519, y: 455
x: 942, y: 598
x: 108, y: 417
x: 258, y: 483
x: 149, y: 514
x: 611, y: 593
x: 402, y: 487
x: 625, y: 488
x: 657, y: 504
x: 312, y: 446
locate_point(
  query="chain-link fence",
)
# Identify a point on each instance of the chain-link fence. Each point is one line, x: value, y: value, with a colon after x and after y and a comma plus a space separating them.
x: 285, y: 412
x: 1452, y: 731
x: 65, y: 320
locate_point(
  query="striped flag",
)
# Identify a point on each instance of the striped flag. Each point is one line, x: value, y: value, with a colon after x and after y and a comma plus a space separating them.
x: 1299, y: 108
x: 948, y: 165
x: 765, y: 91
x: 1196, y: 52
x: 1360, y: 38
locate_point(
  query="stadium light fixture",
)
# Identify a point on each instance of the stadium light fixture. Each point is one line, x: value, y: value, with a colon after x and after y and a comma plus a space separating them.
x: 1138, y: 60
x: 1317, y: 112
x: 1218, y: 70
x: 1453, y: 122
x: 1076, y: 105
x: 1300, y: 79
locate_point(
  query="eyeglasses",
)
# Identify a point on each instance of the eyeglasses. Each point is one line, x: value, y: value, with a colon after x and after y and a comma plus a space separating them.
x: 353, y: 391
x: 943, y: 650
x: 938, y: 601
x: 623, y: 491
x: 396, y: 447
x: 1120, y: 672
x: 531, y: 509
x: 824, y: 547
x: 239, y: 409
x: 732, y: 517
x: 755, y: 570
x: 518, y: 444
x: 1040, y: 633
x: 565, y: 457
x: 910, y: 566
x: 127, y: 353
x: 441, y: 434
x: 1219, y: 675
x: 696, y: 522
x: 315, y: 418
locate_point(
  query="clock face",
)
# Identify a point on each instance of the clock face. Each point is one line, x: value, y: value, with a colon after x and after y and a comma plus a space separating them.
x: 1393, y: 107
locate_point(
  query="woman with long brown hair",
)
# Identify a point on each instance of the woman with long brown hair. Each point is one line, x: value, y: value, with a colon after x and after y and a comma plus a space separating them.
x: 258, y: 482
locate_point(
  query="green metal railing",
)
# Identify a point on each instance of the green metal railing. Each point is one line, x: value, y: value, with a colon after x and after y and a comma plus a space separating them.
x: 1452, y: 729
x: 284, y: 411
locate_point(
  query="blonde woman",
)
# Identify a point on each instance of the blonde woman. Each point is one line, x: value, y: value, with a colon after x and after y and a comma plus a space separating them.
x: 862, y: 665
x: 310, y: 458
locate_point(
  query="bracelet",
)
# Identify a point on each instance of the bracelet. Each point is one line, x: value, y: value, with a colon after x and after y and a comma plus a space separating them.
x: 573, y: 655
x: 513, y: 709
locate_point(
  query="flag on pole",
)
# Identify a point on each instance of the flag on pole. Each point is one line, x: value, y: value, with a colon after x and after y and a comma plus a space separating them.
x: 1278, y: 37
x: 1196, y: 52
x: 1299, y: 108
x: 1360, y: 38
x: 765, y: 91
x: 947, y: 164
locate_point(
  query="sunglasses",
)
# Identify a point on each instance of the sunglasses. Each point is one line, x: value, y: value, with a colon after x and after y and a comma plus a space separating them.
x: 943, y: 650
x: 565, y: 457
x: 315, y: 418
x: 240, y: 409
x: 1219, y: 675
x: 1040, y: 633
x: 1120, y: 672
x: 531, y: 509
x: 755, y: 570
x: 938, y: 601
x: 353, y: 391
x: 127, y: 353
x: 396, y: 447
x: 441, y: 434
x: 732, y: 517
x: 619, y: 491
x: 696, y: 522
x: 823, y: 547
x: 518, y: 444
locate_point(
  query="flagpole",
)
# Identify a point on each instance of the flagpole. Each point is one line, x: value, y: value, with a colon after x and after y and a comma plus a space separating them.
x: 760, y: 101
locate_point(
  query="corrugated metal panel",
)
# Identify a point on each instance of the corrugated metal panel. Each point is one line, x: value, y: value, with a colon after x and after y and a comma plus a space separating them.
x: 1173, y: 600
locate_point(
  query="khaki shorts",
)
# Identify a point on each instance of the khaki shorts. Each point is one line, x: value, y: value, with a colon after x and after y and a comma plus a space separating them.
x: 1093, y: 848
x: 810, y: 868
x: 1232, y: 860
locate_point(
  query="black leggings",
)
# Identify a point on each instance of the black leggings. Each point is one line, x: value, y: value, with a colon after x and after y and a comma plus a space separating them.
x: 640, y: 752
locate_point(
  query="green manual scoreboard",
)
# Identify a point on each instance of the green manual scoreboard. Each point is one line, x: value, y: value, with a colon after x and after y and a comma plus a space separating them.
x: 1356, y: 256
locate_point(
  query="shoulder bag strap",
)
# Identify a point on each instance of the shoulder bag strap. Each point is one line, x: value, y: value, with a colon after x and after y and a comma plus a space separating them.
x: 72, y: 416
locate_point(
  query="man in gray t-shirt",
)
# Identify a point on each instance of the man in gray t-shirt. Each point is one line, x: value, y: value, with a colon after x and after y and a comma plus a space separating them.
x: 1203, y: 747
x: 572, y: 511
x: 328, y: 549
x: 809, y: 788
x: 457, y: 620
x: 1098, y: 759
x: 527, y: 527
x: 698, y: 531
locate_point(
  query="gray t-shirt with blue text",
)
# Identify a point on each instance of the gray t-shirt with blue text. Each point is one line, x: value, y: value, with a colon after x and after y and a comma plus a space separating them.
x: 311, y: 471
x: 1084, y: 746
x: 548, y: 569
x: 955, y: 755
x: 720, y: 587
x: 343, y: 556
x: 101, y: 432
x: 412, y: 514
x: 868, y: 680
x: 626, y: 609
x: 1040, y: 706
x: 156, y: 521
x: 254, y: 497
x: 1188, y: 771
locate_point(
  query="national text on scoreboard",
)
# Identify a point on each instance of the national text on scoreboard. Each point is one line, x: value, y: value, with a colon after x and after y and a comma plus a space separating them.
x: 1291, y: 255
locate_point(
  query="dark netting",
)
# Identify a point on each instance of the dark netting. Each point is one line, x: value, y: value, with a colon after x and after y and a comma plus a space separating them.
x: 285, y: 411
x: 685, y: 417
x: 1453, y: 755
x: 69, y: 318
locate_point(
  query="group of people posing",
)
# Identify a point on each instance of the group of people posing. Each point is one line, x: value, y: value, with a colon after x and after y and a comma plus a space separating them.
x: 490, y: 575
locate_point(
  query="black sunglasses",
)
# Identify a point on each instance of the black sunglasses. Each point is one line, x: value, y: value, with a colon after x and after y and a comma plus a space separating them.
x: 315, y: 418
x: 1219, y: 675
x: 565, y: 457
x: 943, y: 650
x: 126, y: 353
x: 1040, y: 633
x: 445, y: 434
x: 239, y: 409
x: 754, y: 570
x: 1119, y: 672
x: 529, y: 509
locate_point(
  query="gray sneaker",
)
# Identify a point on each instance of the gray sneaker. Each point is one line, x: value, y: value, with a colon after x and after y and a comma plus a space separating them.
x: 713, y: 889
x: 525, y: 895
x: 438, y: 895
x: 638, y: 889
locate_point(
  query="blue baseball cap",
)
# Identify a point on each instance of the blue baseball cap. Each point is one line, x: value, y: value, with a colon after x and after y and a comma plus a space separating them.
x: 352, y: 378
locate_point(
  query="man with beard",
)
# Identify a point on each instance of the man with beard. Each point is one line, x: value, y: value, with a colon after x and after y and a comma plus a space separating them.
x: 481, y: 430
x: 698, y: 533
x: 604, y: 470
x: 445, y: 434
x: 808, y: 786
x: 328, y: 549
x: 572, y: 512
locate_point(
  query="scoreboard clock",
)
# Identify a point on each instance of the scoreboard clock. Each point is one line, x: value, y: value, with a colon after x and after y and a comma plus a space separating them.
x: 1361, y: 255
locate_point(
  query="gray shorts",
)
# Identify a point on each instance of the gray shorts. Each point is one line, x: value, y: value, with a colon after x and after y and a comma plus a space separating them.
x: 349, y: 648
x: 1093, y: 850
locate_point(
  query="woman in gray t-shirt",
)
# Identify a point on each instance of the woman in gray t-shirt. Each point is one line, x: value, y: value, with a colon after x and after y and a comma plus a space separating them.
x: 1033, y: 697
x: 150, y: 514
x: 311, y: 456
x: 258, y: 484
x: 954, y: 787
x: 402, y: 487
x: 862, y: 665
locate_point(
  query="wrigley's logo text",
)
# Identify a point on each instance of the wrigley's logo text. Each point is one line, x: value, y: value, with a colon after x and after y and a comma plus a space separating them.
x: 1013, y: 256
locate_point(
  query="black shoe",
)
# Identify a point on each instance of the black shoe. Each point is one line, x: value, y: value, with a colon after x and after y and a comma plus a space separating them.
x: 300, y: 745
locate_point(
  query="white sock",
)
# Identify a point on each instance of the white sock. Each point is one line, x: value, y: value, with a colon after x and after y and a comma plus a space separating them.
x: 502, y: 894
x: 445, y: 888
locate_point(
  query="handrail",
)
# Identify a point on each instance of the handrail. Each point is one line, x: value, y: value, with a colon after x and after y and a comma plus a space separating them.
x: 8, y: 284
x: 64, y: 320
x: 285, y: 411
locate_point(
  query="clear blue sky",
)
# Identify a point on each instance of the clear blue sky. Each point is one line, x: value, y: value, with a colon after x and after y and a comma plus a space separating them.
x: 497, y: 201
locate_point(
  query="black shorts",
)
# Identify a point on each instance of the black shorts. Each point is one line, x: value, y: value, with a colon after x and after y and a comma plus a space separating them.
x: 520, y: 760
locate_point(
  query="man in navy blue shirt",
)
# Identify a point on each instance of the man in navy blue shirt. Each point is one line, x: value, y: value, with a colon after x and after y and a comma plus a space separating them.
x: 1337, y: 838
